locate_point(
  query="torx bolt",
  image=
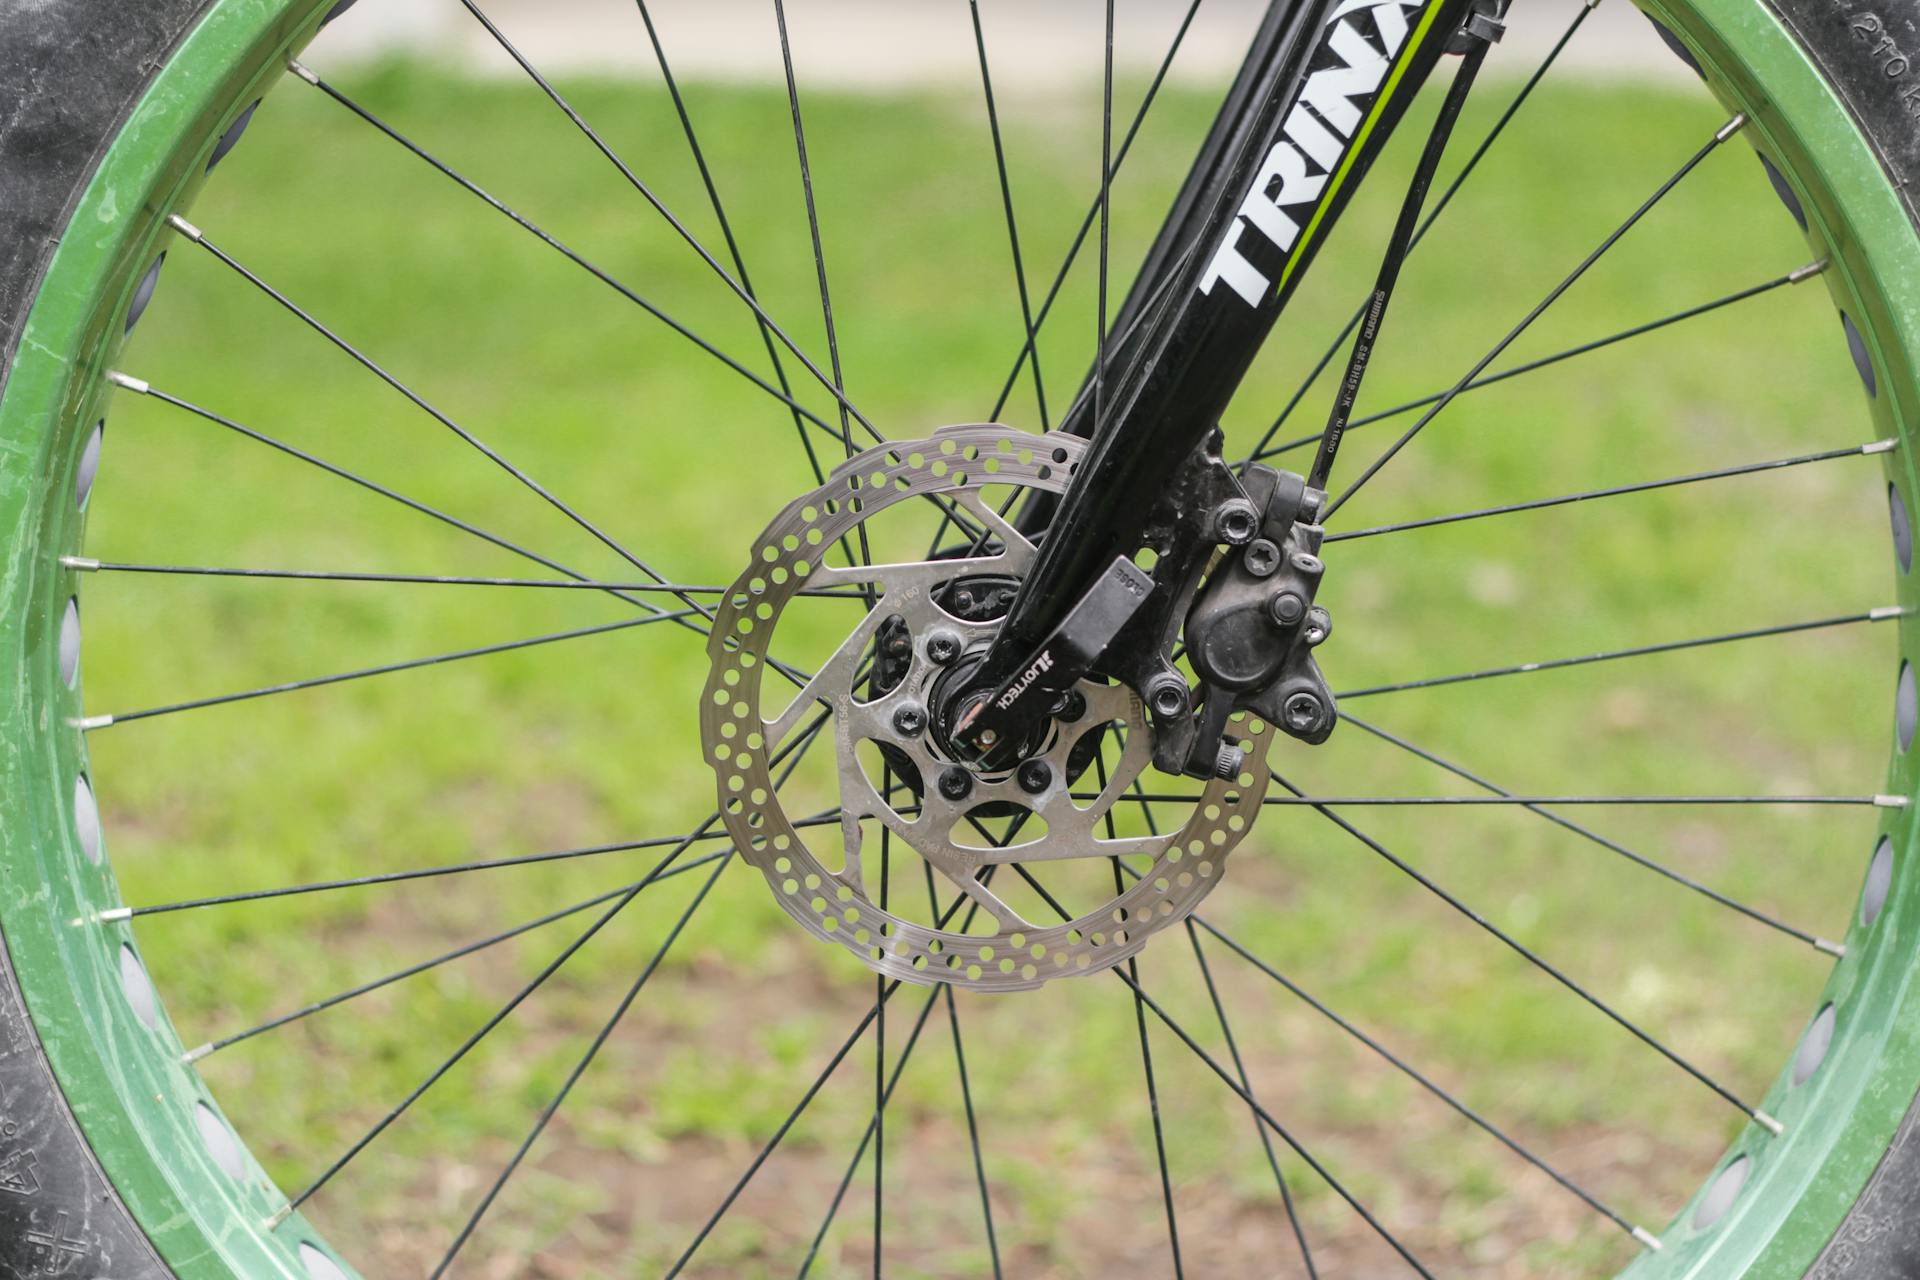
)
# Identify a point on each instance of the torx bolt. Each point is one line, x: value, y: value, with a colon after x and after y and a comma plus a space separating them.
x: 1235, y: 522
x: 909, y: 718
x: 1227, y: 764
x: 1287, y: 608
x: 943, y: 647
x: 1303, y: 712
x: 1261, y: 558
x: 1070, y: 706
x: 955, y: 783
x: 1168, y: 696
x: 1035, y: 776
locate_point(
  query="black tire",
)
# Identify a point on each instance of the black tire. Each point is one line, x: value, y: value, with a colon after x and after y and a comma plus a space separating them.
x: 70, y: 72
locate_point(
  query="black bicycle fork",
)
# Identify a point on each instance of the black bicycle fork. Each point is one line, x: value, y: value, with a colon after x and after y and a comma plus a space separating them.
x: 1119, y: 571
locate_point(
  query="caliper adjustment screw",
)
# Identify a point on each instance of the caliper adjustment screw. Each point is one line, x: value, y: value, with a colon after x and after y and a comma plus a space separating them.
x: 1070, y: 706
x: 1231, y: 757
x: 1035, y: 776
x: 1261, y: 558
x: 1287, y: 608
x: 909, y: 718
x: 1303, y: 712
x: 955, y: 783
x: 1235, y: 522
x: 943, y: 647
x: 1167, y: 696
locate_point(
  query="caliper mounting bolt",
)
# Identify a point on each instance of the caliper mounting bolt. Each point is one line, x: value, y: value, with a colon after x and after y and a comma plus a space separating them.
x: 1167, y: 695
x: 942, y: 647
x: 1035, y: 776
x: 955, y: 783
x: 1235, y: 522
x: 909, y: 718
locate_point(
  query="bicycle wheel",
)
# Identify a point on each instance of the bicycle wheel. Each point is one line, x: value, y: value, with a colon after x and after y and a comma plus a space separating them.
x: 544, y: 538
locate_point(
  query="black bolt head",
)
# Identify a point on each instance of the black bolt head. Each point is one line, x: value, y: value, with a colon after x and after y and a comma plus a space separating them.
x: 1035, y: 776
x: 955, y: 783
x: 1303, y: 712
x: 1168, y: 696
x: 909, y: 719
x: 1070, y: 706
x: 1236, y: 522
x: 1261, y: 558
x: 943, y: 647
x: 1287, y: 608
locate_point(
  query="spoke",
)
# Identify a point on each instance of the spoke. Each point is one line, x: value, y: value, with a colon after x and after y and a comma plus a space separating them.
x: 579, y: 1069
x: 1638, y: 1233
x: 966, y: 1102
x: 1239, y: 1066
x: 1696, y: 477
x: 799, y: 1108
x: 424, y: 873
x: 84, y: 565
x: 1100, y: 314
x: 1315, y: 802
x: 633, y: 179
x: 1013, y: 235
x: 1818, y: 943
x: 726, y: 234
x: 1486, y: 380
x: 783, y: 392
x: 1535, y: 959
x: 1095, y: 211
x: 1244, y: 1094
x: 1146, y: 1047
x: 457, y: 655
x: 196, y: 236
x: 1512, y: 335
x: 1883, y: 614
x: 1446, y: 197
x: 880, y: 1089
x: 519, y: 997
x: 140, y: 386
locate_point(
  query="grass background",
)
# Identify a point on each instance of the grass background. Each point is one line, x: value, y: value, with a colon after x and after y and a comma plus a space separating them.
x: 595, y: 740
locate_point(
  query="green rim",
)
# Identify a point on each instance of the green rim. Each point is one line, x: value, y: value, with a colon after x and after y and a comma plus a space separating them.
x: 136, y: 1099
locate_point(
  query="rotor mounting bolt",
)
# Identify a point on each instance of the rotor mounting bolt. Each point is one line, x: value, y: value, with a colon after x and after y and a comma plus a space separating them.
x: 943, y: 647
x: 1261, y: 558
x: 1287, y: 608
x: 1035, y: 776
x: 1070, y: 706
x: 909, y: 718
x: 1168, y: 696
x: 963, y: 599
x: 1303, y: 712
x: 955, y: 783
x: 1235, y: 522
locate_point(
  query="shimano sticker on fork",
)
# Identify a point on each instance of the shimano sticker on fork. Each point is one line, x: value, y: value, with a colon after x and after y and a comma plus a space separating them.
x: 1362, y: 41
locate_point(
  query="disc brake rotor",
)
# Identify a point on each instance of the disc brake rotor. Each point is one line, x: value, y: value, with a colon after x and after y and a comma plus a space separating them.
x: 749, y: 726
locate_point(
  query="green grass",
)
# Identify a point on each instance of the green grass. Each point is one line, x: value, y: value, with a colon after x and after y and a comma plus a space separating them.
x: 683, y: 461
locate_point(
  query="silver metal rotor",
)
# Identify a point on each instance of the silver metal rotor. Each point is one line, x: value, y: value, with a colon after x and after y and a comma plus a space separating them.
x: 745, y: 720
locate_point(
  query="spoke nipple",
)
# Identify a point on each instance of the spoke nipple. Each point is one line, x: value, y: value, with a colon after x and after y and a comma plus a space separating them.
x: 115, y: 915
x: 1807, y: 272
x: 84, y: 723
x: 1881, y: 446
x: 301, y: 69
x: 1836, y: 949
x: 82, y: 563
x: 1768, y: 1123
x: 280, y: 1216
x: 1890, y: 802
x: 1644, y: 1236
x: 1731, y: 127
x: 184, y: 227
x: 1887, y: 612
x: 136, y: 385
x: 192, y: 1056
